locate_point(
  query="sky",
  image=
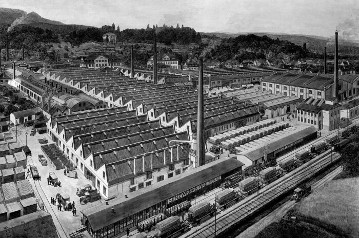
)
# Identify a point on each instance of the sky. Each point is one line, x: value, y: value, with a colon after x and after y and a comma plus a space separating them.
x: 308, y: 17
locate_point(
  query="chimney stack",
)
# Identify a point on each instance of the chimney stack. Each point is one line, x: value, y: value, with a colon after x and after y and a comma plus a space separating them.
x: 13, y: 66
x: 335, y: 85
x: 200, y: 119
x: 155, y: 61
x: 132, y: 67
x: 325, y: 60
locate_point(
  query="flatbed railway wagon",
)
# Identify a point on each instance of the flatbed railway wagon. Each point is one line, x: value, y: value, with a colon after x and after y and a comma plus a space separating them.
x: 200, y: 211
x: 147, y: 224
x: 226, y: 198
x: 268, y: 175
x: 304, y: 156
x: 319, y: 147
x: 341, y: 144
x: 170, y: 227
x: 249, y: 186
x: 289, y: 165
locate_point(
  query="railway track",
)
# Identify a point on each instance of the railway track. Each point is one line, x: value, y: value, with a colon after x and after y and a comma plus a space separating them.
x: 257, y: 201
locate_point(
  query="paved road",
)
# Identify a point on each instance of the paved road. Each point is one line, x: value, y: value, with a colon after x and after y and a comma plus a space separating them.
x: 279, y: 213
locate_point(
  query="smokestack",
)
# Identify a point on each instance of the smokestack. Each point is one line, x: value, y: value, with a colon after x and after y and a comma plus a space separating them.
x: 200, y: 118
x: 13, y: 66
x: 335, y: 85
x: 155, y: 61
x: 325, y: 60
x: 132, y: 67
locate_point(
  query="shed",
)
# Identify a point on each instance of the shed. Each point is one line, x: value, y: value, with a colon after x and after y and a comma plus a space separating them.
x: 2, y: 163
x: 10, y: 161
x: 4, y: 150
x: 20, y: 158
x: 10, y: 192
x: 8, y: 175
x: 19, y: 173
x: 15, y: 147
x: 25, y: 189
x: 29, y: 205
x: 14, y: 210
x: 3, y: 213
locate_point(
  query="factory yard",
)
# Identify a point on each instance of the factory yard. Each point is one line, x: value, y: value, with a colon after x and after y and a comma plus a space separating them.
x: 65, y: 221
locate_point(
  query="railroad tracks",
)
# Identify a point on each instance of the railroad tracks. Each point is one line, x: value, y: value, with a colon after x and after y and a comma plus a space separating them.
x: 257, y: 201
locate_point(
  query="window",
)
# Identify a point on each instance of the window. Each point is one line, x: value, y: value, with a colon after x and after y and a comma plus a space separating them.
x: 264, y: 84
x: 148, y: 175
x: 91, y: 163
x: 160, y: 178
x: 270, y: 85
x: 98, y: 184
x: 319, y: 93
x: 310, y: 91
x: 178, y: 171
x: 104, y: 190
x: 103, y: 175
x: 285, y: 87
x: 301, y: 90
x: 141, y: 185
x: 277, y: 86
x: 82, y: 166
x: 132, y: 181
x: 170, y: 175
x: 132, y: 189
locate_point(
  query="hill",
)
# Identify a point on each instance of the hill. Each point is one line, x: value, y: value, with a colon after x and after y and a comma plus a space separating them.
x: 253, y: 47
x: 8, y: 16
x: 314, y: 44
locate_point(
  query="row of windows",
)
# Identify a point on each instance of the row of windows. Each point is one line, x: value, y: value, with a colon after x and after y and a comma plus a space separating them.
x: 101, y: 60
x: 303, y: 119
x: 310, y: 91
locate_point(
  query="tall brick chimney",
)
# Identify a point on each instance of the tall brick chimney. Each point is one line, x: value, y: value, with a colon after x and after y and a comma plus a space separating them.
x: 132, y: 65
x: 13, y: 66
x: 336, y: 83
x: 200, y: 118
x: 155, y: 61
x: 325, y: 60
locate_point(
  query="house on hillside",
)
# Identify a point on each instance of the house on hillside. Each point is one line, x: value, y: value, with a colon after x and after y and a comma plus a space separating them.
x: 97, y: 61
x: 168, y: 60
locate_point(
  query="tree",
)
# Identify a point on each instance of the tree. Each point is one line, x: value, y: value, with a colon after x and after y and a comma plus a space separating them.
x: 113, y: 27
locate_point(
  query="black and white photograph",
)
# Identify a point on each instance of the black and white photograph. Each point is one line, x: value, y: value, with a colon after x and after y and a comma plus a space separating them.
x: 179, y: 119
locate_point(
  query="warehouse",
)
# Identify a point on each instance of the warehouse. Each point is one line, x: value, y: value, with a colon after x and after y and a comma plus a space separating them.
x: 114, y: 217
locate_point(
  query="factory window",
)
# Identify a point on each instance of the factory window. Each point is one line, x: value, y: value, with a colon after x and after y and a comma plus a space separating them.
x: 310, y: 91
x: 132, y: 181
x: 311, y: 122
x: 132, y: 189
x: 160, y: 178
x: 301, y: 90
x: 171, y: 167
x: 148, y: 175
x: 170, y: 175
x: 264, y: 84
x: 91, y: 163
x: 277, y: 86
x: 319, y: 93
x: 104, y: 190
x: 141, y: 185
x: 315, y: 123
x: 148, y: 183
x: 103, y: 175
x: 285, y: 87
x: 178, y: 171
x: 98, y: 184
x: 270, y: 85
